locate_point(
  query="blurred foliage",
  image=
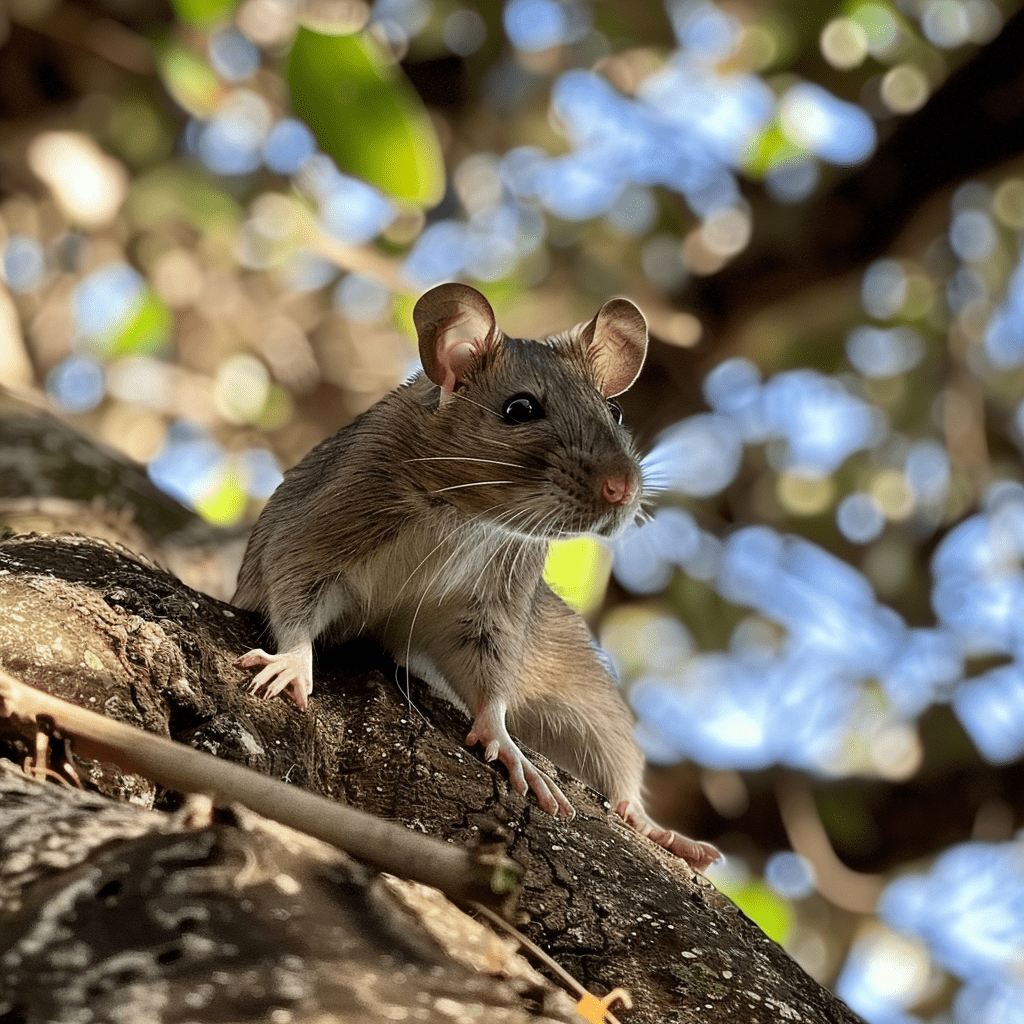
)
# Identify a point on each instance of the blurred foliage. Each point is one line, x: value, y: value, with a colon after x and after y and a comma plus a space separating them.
x: 214, y: 221
x: 376, y: 127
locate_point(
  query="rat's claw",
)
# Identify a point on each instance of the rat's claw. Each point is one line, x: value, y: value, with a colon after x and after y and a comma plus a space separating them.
x: 697, y: 854
x: 489, y: 730
x: 281, y: 672
x: 252, y: 658
x: 549, y: 796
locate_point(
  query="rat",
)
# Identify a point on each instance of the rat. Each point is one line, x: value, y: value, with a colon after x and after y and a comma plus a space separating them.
x: 425, y: 524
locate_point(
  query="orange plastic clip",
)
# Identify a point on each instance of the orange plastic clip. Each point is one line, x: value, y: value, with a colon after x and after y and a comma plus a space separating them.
x: 595, y: 1010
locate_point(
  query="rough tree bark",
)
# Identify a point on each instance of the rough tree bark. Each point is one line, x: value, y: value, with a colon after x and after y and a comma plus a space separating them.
x: 215, y: 916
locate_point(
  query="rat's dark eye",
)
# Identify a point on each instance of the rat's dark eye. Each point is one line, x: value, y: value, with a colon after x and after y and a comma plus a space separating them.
x: 522, y: 409
x: 615, y: 409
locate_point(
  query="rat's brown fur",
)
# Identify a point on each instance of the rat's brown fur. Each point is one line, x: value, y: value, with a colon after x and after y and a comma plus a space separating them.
x: 425, y: 524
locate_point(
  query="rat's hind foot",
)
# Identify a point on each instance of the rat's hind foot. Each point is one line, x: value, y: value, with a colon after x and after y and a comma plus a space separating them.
x: 288, y: 670
x: 697, y: 854
x: 489, y: 730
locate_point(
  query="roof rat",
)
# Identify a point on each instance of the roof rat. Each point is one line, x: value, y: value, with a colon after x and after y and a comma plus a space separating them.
x: 425, y: 524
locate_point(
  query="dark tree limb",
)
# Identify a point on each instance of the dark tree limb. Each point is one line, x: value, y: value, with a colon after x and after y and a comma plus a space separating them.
x: 381, y: 844
x: 95, y: 625
x: 973, y: 122
x: 112, y: 912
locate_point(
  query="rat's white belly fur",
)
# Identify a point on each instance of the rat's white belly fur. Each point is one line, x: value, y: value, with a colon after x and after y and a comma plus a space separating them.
x: 400, y: 588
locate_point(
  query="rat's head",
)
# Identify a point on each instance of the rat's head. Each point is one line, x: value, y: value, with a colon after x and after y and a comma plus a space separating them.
x: 527, y: 434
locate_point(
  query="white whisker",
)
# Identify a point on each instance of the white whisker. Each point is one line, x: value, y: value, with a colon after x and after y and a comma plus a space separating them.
x: 444, y: 540
x: 456, y: 394
x: 464, y: 458
x: 518, y: 555
x: 477, y: 483
x: 503, y: 522
x: 469, y: 538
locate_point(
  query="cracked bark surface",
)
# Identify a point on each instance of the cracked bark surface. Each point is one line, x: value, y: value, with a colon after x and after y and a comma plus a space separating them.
x: 99, y: 626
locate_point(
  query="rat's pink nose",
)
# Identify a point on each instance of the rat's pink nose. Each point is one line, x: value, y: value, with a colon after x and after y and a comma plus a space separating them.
x: 616, y: 490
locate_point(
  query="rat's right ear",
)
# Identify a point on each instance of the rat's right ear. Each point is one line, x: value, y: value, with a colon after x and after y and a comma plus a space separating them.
x: 455, y: 325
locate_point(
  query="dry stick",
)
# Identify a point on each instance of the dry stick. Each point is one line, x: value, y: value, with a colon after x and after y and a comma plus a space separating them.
x: 587, y: 999
x: 458, y: 873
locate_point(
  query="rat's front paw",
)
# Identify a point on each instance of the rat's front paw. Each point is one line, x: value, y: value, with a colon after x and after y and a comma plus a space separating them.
x: 525, y: 775
x: 288, y: 670
x: 697, y: 854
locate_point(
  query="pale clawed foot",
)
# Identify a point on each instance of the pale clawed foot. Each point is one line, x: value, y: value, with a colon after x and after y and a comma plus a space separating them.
x: 290, y: 671
x: 489, y: 730
x: 697, y: 854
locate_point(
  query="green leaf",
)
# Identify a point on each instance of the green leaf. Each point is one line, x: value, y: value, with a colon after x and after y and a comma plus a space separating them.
x: 577, y: 571
x: 769, y: 911
x: 144, y: 328
x: 148, y: 330
x: 224, y: 504
x: 189, y: 80
x: 366, y: 115
x: 199, y: 13
x: 173, y: 192
x: 770, y: 148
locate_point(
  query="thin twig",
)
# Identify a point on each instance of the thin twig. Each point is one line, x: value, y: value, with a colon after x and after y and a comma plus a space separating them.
x: 574, y: 986
x: 462, y: 875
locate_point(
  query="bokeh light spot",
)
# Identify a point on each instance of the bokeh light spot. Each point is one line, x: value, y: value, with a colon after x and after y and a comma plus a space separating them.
x: 698, y: 456
x: 464, y: 32
x: 792, y: 180
x: 946, y: 23
x: 838, y: 132
x: 534, y: 25
x: 76, y: 384
x: 224, y: 503
x: 895, y: 751
x: 844, y: 43
x: 233, y: 56
x: 972, y: 235
x: 991, y: 709
x: 662, y: 260
x: 704, y: 28
x: 231, y: 142
x: 288, y: 145
x: 860, y: 518
x: 893, y: 494
x: 790, y: 875
x: 178, y: 277
x: 240, y: 388
x: 928, y: 472
x: 904, y: 88
x: 732, y: 385
x: 641, y: 640
x: 634, y: 211
x: 884, y: 289
x: 805, y: 495
x: 88, y: 185
x: 361, y: 298
x: 881, y: 27
x: 884, y: 352
x: 350, y: 209
x: 23, y: 263
x: 266, y: 22
x: 884, y: 971
x: 1008, y: 202
x: 727, y: 231
x: 106, y: 298
x: 258, y: 472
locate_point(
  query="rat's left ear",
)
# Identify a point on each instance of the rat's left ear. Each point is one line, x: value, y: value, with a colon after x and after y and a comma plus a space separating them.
x: 455, y: 325
x: 616, y: 344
